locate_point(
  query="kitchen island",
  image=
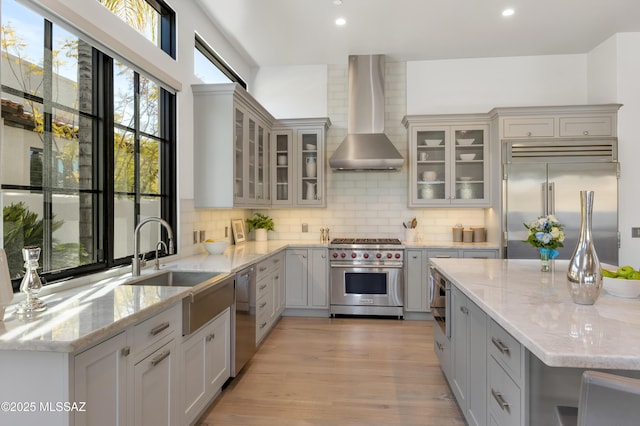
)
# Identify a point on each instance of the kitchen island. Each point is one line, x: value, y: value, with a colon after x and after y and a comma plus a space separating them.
x: 559, y: 339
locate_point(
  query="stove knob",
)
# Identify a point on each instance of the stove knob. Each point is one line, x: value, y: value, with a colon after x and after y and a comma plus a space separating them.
x: 353, y: 255
x: 379, y: 255
x: 366, y: 255
x: 389, y: 255
x: 343, y: 255
x: 335, y: 255
x: 397, y: 255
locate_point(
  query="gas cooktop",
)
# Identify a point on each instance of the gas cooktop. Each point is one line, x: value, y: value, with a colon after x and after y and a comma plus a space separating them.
x: 366, y: 241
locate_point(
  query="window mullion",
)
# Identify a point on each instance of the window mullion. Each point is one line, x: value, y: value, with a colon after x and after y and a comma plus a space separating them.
x: 136, y: 147
x: 47, y: 141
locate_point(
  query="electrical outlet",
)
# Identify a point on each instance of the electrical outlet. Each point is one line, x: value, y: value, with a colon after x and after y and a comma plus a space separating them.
x: 202, y: 236
x: 195, y: 237
x: 226, y: 232
x: 305, y: 227
x: 635, y: 232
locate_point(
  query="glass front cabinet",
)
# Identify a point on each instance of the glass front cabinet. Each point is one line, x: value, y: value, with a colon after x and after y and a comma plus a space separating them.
x: 298, y: 156
x: 448, y: 161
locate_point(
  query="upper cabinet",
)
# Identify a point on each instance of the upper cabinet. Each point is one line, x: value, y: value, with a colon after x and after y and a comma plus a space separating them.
x: 232, y: 134
x: 448, y: 160
x: 243, y: 157
x: 574, y: 121
x: 298, y: 159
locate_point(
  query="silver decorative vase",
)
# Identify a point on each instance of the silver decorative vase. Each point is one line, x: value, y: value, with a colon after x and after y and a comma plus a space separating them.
x: 584, y: 277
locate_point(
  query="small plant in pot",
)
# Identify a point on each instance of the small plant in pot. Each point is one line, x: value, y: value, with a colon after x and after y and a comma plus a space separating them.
x: 261, y: 223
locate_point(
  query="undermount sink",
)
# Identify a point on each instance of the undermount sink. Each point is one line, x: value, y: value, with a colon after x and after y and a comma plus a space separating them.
x: 175, y: 278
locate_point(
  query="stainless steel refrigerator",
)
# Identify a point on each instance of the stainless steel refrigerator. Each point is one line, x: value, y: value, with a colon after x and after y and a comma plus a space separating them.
x: 539, y: 186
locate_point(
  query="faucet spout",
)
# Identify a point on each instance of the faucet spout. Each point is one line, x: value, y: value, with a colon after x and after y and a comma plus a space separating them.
x: 135, y: 265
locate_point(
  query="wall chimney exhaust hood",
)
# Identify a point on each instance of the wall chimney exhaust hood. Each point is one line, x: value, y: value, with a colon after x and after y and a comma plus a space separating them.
x: 366, y: 147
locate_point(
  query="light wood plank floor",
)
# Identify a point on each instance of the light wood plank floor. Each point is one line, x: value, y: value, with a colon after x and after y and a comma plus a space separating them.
x: 341, y: 371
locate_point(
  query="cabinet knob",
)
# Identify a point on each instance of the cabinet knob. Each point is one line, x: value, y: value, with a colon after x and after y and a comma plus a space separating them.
x: 211, y: 337
x: 586, y: 132
x: 464, y: 310
x: 529, y: 133
x: 125, y: 351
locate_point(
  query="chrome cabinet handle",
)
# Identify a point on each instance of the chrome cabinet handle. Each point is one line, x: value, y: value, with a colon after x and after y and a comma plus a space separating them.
x: 262, y: 287
x: 504, y: 405
x: 464, y: 310
x: 263, y: 325
x: 125, y: 351
x: 501, y: 346
x: 414, y: 256
x: 211, y: 337
x: 263, y: 304
x: 159, y: 329
x: 263, y: 269
x: 157, y: 360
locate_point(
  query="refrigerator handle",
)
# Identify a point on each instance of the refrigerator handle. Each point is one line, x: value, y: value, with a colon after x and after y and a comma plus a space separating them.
x: 552, y: 198
x: 545, y: 199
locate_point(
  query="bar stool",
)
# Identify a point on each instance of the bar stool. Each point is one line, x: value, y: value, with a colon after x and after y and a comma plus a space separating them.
x: 605, y: 399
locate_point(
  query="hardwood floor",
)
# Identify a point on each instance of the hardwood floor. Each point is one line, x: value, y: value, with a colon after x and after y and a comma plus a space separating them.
x: 340, y: 371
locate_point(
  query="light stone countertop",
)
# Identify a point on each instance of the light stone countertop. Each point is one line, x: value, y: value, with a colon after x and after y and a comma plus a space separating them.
x: 536, y: 309
x: 79, y: 316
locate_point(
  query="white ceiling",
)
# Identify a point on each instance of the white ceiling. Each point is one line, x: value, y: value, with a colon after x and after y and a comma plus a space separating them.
x: 302, y: 32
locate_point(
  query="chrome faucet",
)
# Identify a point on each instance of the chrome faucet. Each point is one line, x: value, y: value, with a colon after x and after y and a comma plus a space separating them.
x: 135, y: 265
x: 156, y: 263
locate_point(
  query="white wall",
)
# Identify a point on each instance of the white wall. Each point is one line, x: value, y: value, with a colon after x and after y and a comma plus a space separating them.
x: 477, y: 85
x: 614, y: 76
x: 292, y: 92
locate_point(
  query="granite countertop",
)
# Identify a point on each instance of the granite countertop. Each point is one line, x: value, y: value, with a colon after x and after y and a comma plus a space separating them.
x: 78, y: 316
x: 83, y: 313
x: 536, y: 308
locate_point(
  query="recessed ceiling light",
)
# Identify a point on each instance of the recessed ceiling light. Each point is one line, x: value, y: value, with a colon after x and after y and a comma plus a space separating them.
x: 508, y: 12
x: 341, y: 21
x: 337, y: 2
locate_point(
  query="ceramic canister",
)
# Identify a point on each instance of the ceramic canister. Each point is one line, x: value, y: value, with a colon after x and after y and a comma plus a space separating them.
x: 478, y: 234
x: 467, y: 236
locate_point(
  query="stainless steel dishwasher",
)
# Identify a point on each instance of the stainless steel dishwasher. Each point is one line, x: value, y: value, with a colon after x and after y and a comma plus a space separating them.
x: 243, y: 332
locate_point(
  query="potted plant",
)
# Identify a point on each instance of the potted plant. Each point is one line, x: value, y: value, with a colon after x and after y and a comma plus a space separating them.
x: 261, y: 223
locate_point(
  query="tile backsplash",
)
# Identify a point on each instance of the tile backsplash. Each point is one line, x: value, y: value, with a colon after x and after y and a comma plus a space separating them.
x: 359, y: 204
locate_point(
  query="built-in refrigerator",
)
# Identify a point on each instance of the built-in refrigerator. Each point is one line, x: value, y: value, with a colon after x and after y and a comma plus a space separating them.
x: 548, y: 181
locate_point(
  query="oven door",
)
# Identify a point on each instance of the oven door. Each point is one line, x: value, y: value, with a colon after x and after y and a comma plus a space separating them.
x: 373, y: 286
x: 439, y: 294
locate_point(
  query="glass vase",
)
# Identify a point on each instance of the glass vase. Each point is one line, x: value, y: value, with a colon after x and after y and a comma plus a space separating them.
x: 584, y: 277
x: 544, y: 261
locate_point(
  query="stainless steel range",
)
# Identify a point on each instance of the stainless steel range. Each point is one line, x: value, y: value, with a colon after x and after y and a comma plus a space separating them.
x: 367, y: 276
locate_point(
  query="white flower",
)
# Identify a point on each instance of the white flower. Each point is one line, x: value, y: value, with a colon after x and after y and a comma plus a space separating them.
x: 552, y: 218
x: 555, y: 232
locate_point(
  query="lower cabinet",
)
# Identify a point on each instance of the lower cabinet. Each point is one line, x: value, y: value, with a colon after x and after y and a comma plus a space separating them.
x: 205, y: 366
x: 131, y: 377
x: 270, y: 293
x: 154, y: 391
x: 417, y: 288
x: 442, y: 349
x: 469, y: 357
x: 100, y: 379
x: 307, y: 276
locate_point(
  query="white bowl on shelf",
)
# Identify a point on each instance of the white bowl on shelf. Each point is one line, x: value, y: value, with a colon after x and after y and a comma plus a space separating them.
x: 629, y: 289
x: 465, y: 142
x: 467, y: 157
x: 310, y: 147
x: 216, y: 247
x: 432, y: 142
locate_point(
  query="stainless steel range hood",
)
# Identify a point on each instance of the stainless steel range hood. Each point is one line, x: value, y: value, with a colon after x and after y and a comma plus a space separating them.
x: 366, y: 147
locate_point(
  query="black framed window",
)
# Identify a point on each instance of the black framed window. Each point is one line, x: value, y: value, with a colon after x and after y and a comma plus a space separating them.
x: 87, y: 150
x: 210, y: 68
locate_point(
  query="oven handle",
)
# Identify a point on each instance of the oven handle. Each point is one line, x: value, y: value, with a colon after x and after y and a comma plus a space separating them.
x: 388, y: 265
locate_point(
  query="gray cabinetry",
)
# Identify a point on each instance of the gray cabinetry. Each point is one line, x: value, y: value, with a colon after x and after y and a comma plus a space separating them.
x: 269, y: 293
x: 307, y: 278
x: 469, y: 357
x: 417, y: 293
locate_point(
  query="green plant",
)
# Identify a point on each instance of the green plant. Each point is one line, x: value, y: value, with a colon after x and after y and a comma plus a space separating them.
x: 260, y: 221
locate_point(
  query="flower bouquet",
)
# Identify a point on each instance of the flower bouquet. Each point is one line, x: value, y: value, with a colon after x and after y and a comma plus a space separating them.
x: 546, y: 234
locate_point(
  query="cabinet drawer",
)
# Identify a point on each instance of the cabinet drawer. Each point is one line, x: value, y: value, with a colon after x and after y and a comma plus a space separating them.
x: 479, y: 254
x: 263, y: 286
x: 264, y: 305
x: 506, y: 350
x: 586, y: 126
x: 442, y: 254
x: 532, y: 127
x: 155, y: 328
x: 504, y: 398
